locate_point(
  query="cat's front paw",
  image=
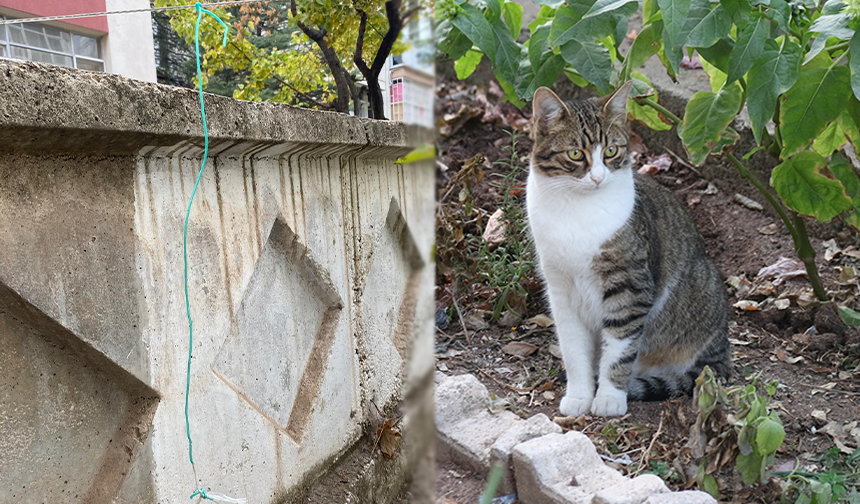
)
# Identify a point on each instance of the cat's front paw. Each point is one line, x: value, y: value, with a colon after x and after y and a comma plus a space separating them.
x: 574, y: 406
x: 609, y: 402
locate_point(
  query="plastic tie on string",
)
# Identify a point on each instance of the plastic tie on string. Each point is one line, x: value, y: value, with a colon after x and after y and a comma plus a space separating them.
x: 200, y: 492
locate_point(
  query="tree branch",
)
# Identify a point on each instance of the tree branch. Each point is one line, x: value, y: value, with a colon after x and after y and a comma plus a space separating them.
x: 285, y: 83
x: 358, y: 58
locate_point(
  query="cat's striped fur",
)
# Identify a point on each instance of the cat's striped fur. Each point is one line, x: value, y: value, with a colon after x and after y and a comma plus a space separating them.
x: 637, y: 302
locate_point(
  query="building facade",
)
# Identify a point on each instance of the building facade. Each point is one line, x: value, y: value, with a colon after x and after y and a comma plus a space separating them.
x: 411, y: 79
x: 119, y: 44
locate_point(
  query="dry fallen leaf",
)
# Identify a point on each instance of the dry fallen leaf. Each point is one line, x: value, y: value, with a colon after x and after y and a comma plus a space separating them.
x: 555, y: 351
x: 747, y: 305
x: 819, y: 415
x: 494, y: 233
x: 541, y: 320
x: 770, y: 229
x: 519, y: 348
x: 780, y: 271
x: 388, y: 437
x: 749, y: 203
x: 549, y: 395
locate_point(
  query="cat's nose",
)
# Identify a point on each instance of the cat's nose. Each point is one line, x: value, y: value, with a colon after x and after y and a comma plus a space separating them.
x: 597, y: 179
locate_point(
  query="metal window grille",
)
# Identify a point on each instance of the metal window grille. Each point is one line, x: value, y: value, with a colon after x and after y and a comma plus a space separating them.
x: 47, y: 44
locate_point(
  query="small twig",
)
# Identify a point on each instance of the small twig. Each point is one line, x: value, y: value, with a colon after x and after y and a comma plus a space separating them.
x: 831, y: 390
x: 646, y: 457
x: 500, y: 384
x: 681, y: 160
x: 462, y: 322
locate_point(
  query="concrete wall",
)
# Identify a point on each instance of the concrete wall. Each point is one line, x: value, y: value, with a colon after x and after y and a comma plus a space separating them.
x: 128, y: 47
x: 311, y: 289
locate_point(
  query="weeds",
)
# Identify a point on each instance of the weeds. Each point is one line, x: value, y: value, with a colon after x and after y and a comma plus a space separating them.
x: 838, y: 481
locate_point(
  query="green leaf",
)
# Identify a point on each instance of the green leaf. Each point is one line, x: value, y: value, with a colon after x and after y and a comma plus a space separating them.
x: 843, y: 170
x: 821, y: 492
x: 769, y: 435
x: 467, y: 64
x: 545, y: 15
x: 780, y: 12
x: 706, y: 116
x: 718, y: 54
x: 831, y: 139
x: 538, y: 48
x: 854, y: 63
x: 604, y: 6
x: 575, y: 77
x: 739, y: 10
x: 570, y: 23
x: 715, y: 75
x: 643, y: 113
x: 802, y: 185
x: 674, y: 18
x: 474, y: 25
x: 650, y: 12
x: 546, y: 75
x: 706, y: 24
x: 508, y: 52
x: 749, y: 467
x: 566, y: 18
x: 710, y: 485
x: 513, y: 14
x: 749, y: 46
x: 510, y: 92
x: 817, y: 98
x: 772, y: 74
x: 645, y: 45
x: 833, y: 25
x: 591, y: 60
x: 455, y: 44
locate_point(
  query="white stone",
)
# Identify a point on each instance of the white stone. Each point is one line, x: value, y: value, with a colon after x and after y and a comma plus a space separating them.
x: 466, y: 428
x: 500, y: 452
x: 560, y: 469
x: 688, y: 497
x: 633, y: 491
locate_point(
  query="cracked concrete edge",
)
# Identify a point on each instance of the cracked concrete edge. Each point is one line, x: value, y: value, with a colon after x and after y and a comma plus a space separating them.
x: 570, y: 472
x: 61, y: 109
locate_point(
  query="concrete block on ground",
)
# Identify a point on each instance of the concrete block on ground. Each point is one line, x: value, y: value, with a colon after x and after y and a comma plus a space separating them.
x: 536, y: 426
x: 465, y: 427
x: 687, y: 497
x: 561, y: 469
x: 632, y: 491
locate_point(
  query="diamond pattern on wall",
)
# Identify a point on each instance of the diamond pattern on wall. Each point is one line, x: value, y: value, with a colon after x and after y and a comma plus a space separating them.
x: 291, y: 309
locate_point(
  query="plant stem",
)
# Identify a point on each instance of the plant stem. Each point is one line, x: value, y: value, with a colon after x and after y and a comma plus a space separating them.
x: 795, y: 226
x: 837, y: 47
x: 659, y: 108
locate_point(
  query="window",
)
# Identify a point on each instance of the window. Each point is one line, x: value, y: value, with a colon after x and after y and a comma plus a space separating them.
x: 411, y: 102
x: 46, y: 44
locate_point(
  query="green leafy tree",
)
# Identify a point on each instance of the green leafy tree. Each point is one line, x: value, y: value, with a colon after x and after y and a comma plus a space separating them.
x: 301, y: 52
x: 785, y: 62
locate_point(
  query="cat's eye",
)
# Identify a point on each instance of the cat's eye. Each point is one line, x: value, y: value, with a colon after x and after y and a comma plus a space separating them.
x: 576, y: 154
x: 610, y: 151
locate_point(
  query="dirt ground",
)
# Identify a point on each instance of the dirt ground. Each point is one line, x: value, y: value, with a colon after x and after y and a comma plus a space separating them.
x: 818, y: 374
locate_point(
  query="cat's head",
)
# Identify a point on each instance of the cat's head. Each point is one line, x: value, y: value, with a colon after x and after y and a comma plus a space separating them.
x: 584, y: 142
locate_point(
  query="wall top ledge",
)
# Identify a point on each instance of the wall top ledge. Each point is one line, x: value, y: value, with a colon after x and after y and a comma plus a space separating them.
x: 48, y: 108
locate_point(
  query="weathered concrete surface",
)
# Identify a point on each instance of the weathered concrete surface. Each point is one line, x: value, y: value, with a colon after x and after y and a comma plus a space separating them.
x: 501, y: 450
x: 466, y: 428
x: 309, y: 257
x: 686, y: 497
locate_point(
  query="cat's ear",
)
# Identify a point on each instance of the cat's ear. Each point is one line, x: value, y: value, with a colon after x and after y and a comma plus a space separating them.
x: 547, y: 109
x: 615, y: 104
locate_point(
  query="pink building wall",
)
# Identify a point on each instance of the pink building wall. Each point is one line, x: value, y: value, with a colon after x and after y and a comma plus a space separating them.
x: 60, y: 7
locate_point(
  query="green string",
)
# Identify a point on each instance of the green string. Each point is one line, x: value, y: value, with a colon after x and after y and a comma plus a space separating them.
x: 200, y: 11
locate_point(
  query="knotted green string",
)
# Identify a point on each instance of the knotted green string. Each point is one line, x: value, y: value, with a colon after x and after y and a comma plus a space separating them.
x: 200, y: 11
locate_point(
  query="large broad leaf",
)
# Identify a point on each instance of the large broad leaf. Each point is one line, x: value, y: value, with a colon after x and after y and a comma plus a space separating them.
x: 849, y: 316
x: 854, y: 63
x: 545, y: 75
x: 643, y: 113
x: 646, y: 44
x: 831, y: 139
x: 772, y: 74
x: 802, y: 185
x: 674, y: 19
x: 749, y: 46
x: 455, y: 44
x: 817, y: 98
x: 718, y: 54
x: 467, y: 64
x: 474, y: 25
x: 739, y: 10
x: 509, y: 53
x: 832, y: 25
x: 769, y: 435
x: 842, y: 169
x: 591, y: 60
x: 706, y: 24
x: 706, y: 117
x: 750, y: 467
x: 570, y: 22
x: 546, y: 15
x: 715, y: 75
x: 513, y: 14
x: 538, y: 47
x: 510, y: 91
x: 604, y: 6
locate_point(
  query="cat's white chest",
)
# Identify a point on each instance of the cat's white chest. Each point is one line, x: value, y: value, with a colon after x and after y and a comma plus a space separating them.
x: 569, y: 224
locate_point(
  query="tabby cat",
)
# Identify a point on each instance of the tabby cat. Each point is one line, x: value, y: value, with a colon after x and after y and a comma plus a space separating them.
x: 639, y: 307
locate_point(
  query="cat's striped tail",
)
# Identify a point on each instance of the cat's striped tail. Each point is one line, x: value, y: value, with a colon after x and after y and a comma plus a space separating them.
x: 661, y: 384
